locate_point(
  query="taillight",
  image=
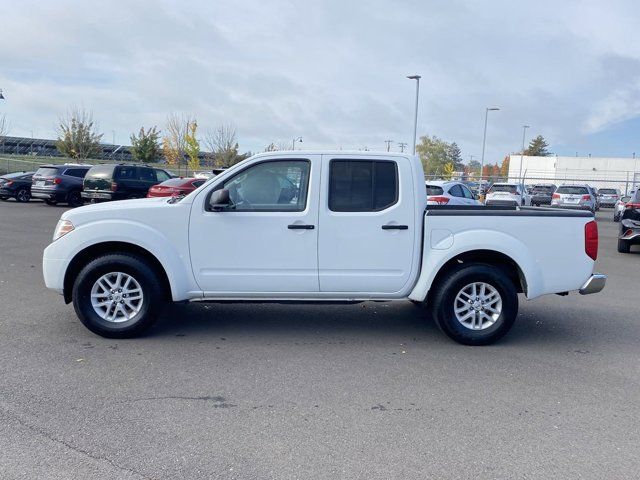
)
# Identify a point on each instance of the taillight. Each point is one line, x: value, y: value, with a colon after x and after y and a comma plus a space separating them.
x: 630, y: 206
x: 114, y: 186
x: 438, y: 199
x: 591, y: 239
x: 57, y: 181
x: 586, y: 197
x: 555, y: 195
x: 10, y: 182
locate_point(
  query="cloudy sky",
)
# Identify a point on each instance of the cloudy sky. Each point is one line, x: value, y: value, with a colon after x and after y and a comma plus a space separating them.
x: 331, y: 71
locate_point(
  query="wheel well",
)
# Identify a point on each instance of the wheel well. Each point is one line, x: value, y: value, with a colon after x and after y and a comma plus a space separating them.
x: 85, y: 256
x: 490, y: 257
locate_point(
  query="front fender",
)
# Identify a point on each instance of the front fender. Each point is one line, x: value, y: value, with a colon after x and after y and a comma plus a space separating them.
x: 59, y: 254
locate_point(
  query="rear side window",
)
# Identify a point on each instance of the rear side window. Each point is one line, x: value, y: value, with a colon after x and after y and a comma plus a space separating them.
x: 126, y: 173
x: 47, y: 172
x: 434, y: 190
x: 573, y: 190
x: 362, y: 185
x: 456, y: 191
x: 197, y: 183
x: 147, y: 175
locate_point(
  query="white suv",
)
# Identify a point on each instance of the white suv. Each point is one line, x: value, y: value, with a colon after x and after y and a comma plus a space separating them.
x: 508, y: 194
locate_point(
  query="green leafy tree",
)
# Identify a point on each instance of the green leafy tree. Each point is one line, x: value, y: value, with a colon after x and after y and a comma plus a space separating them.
x: 192, y: 147
x: 145, y: 147
x: 78, y: 135
x: 435, y: 153
x: 538, y: 147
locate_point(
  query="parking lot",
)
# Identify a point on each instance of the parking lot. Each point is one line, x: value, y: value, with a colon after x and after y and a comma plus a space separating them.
x: 315, y: 391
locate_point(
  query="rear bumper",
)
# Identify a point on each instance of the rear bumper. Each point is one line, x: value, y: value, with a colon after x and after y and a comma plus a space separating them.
x: 502, y: 203
x: 47, y: 194
x: 572, y: 206
x: 97, y: 195
x: 541, y: 200
x: 595, y: 284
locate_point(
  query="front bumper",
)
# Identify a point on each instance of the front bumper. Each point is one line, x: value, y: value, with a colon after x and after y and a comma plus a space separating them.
x: 595, y: 284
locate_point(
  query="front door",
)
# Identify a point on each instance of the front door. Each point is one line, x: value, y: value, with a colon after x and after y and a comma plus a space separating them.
x: 366, y: 225
x: 266, y: 239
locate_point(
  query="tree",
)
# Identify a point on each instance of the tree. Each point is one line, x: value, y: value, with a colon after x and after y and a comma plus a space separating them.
x: 435, y: 153
x: 145, y: 147
x: 275, y: 147
x: 174, y: 141
x: 449, y: 170
x: 222, y: 142
x: 504, y: 168
x: 192, y: 147
x: 537, y: 147
x: 78, y: 135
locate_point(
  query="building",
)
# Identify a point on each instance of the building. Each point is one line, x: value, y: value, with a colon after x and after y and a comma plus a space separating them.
x: 610, y: 172
x: 42, y: 147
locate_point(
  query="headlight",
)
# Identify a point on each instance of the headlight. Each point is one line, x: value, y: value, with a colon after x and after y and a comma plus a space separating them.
x: 62, y: 228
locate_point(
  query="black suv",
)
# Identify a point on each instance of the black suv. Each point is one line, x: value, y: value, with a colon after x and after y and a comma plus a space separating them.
x: 16, y: 185
x: 541, y: 194
x: 119, y: 182
x: 59, y: 183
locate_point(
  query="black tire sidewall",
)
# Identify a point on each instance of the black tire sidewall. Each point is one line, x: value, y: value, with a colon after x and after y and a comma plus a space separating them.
x: 74, y: 199
x: 144, y: 275
x: 443, y: 308
x: 18, y: 195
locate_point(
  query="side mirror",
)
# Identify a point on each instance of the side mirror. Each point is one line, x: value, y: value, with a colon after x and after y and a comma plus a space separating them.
x: 219, y: 200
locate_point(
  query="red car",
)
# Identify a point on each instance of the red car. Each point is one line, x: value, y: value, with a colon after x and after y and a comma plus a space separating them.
x: 175, y: 186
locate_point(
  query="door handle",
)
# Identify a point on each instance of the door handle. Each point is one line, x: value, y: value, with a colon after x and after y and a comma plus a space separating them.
x: 300, y: 227
x: 395, y: 227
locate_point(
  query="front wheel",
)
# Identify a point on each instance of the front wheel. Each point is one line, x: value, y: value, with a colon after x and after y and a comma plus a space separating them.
x: 118, y: 296
x: 623, y: 246
x: 476, y: 304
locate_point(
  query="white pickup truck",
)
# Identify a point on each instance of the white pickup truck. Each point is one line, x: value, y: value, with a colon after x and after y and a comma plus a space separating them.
x: 318, y: 226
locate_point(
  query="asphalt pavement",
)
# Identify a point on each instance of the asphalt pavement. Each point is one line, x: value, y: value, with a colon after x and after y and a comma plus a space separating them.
x: 267, y: 391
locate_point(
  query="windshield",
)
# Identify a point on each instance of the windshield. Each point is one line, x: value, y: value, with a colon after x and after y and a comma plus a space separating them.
x: 504, y: 188
x: 573, y: 190
x: 434, y: 190
x: 47, y: 172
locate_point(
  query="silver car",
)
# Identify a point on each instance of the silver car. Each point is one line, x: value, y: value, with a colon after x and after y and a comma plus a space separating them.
x: 618, y: 208
x: 574, y: 196
x: 609, y: 196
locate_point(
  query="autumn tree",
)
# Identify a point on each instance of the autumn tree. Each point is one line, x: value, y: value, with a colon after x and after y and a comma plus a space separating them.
x: 174, y: 140
x: 449, y: 170
x: 537, y: 147
x: 222, y: 142
x: 504, y: 168
x: 78, y: 135
x: 192, y: 147
x: 145, y: 147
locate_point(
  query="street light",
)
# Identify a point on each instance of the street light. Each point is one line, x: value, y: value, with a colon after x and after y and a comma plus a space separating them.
x: 415, y: 118
x: 293, y: 143
x: 524, y: 131
x: 484, y: 139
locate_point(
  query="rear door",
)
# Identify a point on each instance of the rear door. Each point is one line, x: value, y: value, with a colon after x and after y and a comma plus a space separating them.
x: 366, y: 225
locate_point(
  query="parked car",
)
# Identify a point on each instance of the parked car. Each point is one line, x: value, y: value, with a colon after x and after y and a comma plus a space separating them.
x: 121, y: 181
x: 575, y: 197
x: 541, y: 194
x: 507, y: 194
x: 609, y: 196
x: 619, y: 207
x: 16, y: 185
x: 630, y: 224
x: 59, y: 183
x: 175, y: 186
x: 324, y: 226
x: 449, y: 193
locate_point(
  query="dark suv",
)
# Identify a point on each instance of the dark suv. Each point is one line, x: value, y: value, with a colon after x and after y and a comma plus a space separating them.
x: 59, y: 183
x: 119, y: 182
x: 541, y: 194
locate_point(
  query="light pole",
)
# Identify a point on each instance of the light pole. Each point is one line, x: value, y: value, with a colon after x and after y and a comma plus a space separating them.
x: 524, y: 131
x: 484, y: 139
x: 415, y: 118
x: 293, y: 142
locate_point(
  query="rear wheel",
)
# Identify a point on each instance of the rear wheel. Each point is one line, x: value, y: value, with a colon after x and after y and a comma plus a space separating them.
x: 74, y: 199
x: 118, y: 296
x: 23, y: 195
x: 623, y: 246
x: 50, y: 202
x: 476, y: 304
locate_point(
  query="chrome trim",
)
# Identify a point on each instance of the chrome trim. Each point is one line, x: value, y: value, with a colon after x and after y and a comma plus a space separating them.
x: 594, y: 285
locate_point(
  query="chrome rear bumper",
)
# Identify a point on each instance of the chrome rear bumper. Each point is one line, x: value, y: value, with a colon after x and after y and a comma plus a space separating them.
x: 595, y: 284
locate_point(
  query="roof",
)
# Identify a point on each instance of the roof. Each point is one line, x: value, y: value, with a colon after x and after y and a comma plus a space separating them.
x: 337, y: 153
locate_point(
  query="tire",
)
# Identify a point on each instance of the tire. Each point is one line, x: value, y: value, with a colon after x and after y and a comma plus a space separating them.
x: 74, y: 199
x: 3, y: 198
x: 446, y: 297
x: 623, y: 246
x: 51, y: 202
x: 23, y: 195
x: 616, y: 218
x: 92, y: 277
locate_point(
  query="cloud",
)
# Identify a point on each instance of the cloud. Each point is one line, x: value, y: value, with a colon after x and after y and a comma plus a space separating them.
x: 332, y: 72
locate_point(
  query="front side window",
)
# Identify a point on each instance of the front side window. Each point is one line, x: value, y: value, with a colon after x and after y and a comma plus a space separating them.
x: 162, y: 175
x: 362, y: 185
x: 466, y: 192
x: 275, y: 186
x: 456, y: 191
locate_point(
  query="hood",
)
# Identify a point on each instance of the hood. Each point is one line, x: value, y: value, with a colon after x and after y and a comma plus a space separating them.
x: 116, y: 209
